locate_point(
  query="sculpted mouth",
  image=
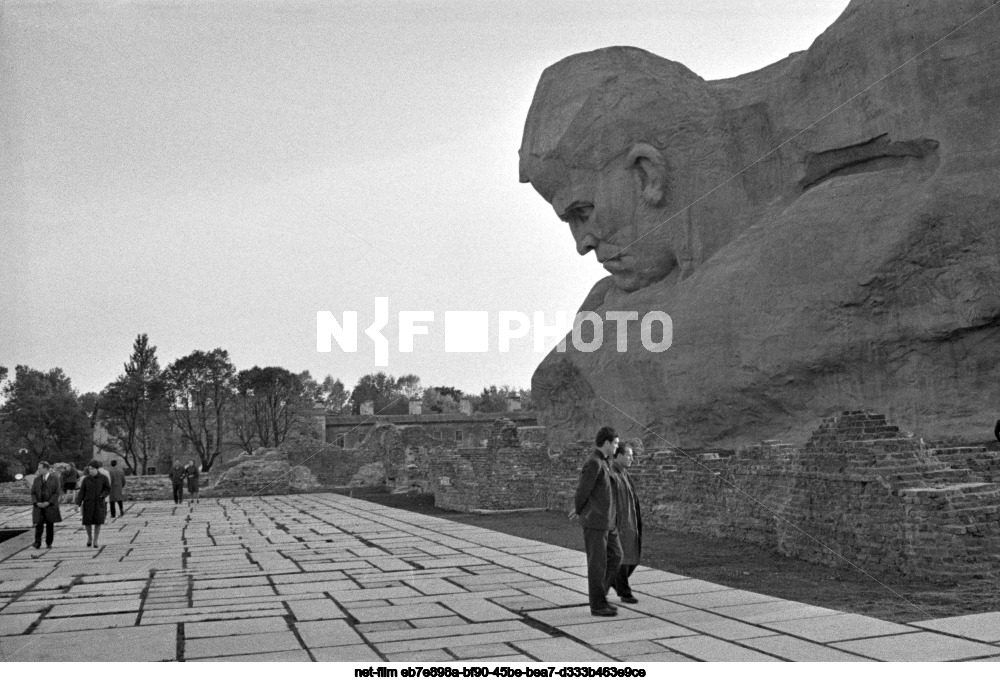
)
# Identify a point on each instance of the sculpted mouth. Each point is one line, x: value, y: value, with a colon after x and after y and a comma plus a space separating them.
x: 614, y: 265
x: 613, y: 257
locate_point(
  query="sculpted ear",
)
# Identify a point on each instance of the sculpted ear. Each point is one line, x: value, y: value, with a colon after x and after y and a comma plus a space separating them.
x: 650, y: 170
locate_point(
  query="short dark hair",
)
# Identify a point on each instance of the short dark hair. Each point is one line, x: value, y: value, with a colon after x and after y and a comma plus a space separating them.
x: 622, y: 448
x: 44, y: 464
x: 606, y: 434
x: 94, y: 464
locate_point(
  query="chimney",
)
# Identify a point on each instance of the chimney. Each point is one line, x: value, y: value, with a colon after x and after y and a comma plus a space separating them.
x: 368, y: 408
x: 416, y: 406
x: 513, y: 404
x: 465, y: 406
x: 319, y: 420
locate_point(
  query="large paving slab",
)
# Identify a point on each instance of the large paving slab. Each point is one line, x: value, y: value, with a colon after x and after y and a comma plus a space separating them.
x: 323, y: 577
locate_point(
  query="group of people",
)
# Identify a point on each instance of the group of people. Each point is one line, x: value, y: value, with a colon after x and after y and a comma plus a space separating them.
x: 607, y: 507
x: 179, y: 474
x: 91, y: 492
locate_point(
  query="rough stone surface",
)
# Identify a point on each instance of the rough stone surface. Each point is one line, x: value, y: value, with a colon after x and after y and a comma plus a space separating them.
x: 857, y: 490
x: 369, y: 475
x: 821, y: 237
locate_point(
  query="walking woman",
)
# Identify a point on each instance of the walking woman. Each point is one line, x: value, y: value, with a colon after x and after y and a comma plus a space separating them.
x: 193, y: 474
x: 94, y: 489
x: 629, y: 523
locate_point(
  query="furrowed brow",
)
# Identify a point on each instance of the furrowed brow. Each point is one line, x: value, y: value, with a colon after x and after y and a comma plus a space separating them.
x: 564, y: 213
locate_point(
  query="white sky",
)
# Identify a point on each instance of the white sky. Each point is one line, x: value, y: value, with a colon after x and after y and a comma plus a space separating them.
x: 214, y: 173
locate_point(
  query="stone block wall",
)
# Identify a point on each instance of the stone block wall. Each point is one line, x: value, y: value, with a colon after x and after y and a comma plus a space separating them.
x: 506, y: 475
x: 333, y: 466
x: 859, y: 492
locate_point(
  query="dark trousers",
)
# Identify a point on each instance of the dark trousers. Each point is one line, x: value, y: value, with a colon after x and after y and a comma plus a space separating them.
x: 620, y: 582
x: 121, y: 508
x: 604, y: 555
x: 50, y: 533
x: 178, y: 492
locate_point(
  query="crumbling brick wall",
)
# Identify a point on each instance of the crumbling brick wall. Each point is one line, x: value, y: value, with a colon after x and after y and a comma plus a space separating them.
x: 858, y: 492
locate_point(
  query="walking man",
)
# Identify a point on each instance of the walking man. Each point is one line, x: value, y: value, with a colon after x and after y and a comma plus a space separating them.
x: 45, y: 492
x: 69, y: 479
x: 177, y: 475
x: 117, y: 488
x: 596, y: 509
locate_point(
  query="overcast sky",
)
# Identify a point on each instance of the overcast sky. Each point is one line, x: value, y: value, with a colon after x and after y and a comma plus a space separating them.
x: 215, y: 173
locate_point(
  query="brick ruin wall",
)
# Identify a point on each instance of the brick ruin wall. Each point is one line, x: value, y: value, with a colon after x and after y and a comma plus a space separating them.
x: 857, y: 492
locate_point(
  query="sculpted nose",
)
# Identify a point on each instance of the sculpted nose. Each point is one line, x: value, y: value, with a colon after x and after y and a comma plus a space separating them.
x: 586, y: 243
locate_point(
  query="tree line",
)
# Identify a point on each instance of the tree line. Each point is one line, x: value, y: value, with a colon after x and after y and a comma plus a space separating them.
x: 195, y: 406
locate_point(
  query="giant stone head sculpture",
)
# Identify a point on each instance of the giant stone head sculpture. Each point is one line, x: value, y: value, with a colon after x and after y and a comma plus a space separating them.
x: 823, y: 231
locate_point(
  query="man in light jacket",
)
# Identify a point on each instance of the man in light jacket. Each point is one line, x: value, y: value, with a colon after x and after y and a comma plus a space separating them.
x: 596, y: 509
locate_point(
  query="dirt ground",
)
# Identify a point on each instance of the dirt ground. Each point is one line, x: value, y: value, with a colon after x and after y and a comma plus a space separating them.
x: 745, y: 566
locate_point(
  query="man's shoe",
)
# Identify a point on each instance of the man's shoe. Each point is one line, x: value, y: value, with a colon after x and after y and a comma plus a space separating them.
x: 606, y: 611
x: 36, y: 546
x: 629, y: 599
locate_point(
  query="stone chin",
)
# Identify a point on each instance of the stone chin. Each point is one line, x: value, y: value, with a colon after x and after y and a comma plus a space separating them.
x: 632, y: 278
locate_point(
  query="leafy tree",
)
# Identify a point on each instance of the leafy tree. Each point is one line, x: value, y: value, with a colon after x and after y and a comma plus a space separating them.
x: 135, y: 409
x: 199, y: 388
x: 494, y: 400
x: 43, y: 419
x: 268, y: 405
x: 442, y: 400
x: 390, y: 394
x: 409, y: 385
x: 331, y: 392
x: 89, y: 404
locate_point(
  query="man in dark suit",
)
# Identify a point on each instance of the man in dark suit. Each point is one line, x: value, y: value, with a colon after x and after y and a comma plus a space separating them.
x: 596, y: 508
x: 45, y: 492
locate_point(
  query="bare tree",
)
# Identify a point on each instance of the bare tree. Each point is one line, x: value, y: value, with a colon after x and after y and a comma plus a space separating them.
x: 200, y: 389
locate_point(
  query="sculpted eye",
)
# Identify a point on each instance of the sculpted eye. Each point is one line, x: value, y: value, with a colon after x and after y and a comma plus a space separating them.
x: 577, y: 213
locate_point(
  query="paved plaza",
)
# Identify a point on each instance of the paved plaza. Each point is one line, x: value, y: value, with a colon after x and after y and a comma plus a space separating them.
x: 324, y: 577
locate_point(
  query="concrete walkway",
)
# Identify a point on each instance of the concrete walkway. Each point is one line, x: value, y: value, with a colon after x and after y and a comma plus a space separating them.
x: 328, y: 578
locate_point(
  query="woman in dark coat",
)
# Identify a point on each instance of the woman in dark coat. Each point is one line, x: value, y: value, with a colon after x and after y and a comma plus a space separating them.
x: 94, y: 489
x: 70, y: 477
x: 629, y: 523
x: 193, y: 474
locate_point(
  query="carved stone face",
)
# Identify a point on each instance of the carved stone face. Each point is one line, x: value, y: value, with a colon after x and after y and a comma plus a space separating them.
x: 608, y: 215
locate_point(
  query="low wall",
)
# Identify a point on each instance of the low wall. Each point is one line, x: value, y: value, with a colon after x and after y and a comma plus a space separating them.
x: 265, y: 472
x: 858, y: 492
